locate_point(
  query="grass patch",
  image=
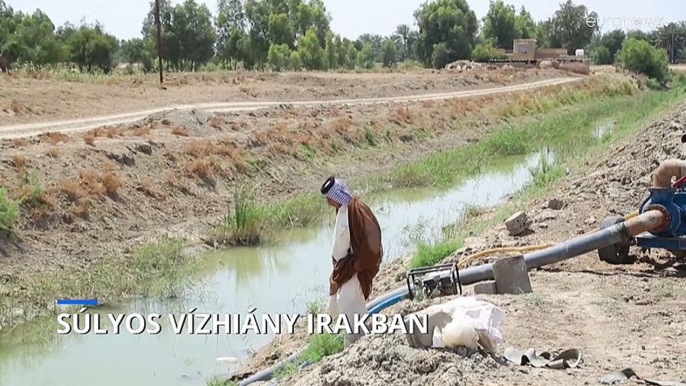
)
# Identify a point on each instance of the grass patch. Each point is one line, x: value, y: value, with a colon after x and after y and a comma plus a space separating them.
x: 666, y: 289
x: 547, y: 99
x: 157, y: 269
x: 369, y: 135
x: 242, y: 225
x: 566, y: 131
x: 316, y: 307
x: 535, y: 299
x: 571, y: 136
x: 9, y: 210
x: 248, y: 222
x: 318, y: 347
x: 546, y: 171
x: 430, y: 254
x: 32, y: 191
x: 219, y: 381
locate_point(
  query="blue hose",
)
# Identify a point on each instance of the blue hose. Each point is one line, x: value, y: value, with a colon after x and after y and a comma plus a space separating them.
x: 384, y: 301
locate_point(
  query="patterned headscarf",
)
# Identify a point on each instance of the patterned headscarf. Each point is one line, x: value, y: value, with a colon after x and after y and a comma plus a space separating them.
x: 336, y: 190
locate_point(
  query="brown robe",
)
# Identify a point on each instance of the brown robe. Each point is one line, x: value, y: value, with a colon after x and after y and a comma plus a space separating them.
x: 364, y: 258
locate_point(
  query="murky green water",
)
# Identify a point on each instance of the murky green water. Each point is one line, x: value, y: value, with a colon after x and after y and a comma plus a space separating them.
x: 274, y: 279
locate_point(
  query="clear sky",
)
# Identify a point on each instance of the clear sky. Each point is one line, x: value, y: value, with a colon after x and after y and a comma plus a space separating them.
x: 123, y: 18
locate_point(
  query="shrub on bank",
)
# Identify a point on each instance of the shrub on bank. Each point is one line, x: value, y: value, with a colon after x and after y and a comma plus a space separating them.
x: 9, y: 210
x: 641, y: 57
x: 484, y: 53
x: 601, y: 55
x: 243, y: 224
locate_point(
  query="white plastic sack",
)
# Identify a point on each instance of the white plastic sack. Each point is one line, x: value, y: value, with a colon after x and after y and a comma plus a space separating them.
x: 460, y: 333
x: 469, y: 316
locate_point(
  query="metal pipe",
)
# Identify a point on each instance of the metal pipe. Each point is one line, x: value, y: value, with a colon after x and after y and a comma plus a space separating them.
x: 554, y: 254
x: 386, y: 303
x: 268, y: 373
x: 575, y: 247
x: 571, y: 248
x: 646, y: 221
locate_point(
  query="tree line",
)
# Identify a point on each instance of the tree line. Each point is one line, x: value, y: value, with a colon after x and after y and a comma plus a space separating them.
x: 296, y: 34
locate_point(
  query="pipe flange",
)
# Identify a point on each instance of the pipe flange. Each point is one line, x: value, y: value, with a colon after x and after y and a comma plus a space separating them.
x: 665, y: 214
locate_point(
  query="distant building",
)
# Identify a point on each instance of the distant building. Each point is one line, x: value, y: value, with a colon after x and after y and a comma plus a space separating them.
x: 524, y: 46
x: 526, y: 49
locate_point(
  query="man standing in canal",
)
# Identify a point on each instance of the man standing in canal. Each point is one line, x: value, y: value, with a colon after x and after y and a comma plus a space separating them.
x: 357, y: 253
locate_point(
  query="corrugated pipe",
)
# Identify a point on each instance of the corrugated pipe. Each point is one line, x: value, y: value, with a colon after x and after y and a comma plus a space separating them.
x: 621, y: 232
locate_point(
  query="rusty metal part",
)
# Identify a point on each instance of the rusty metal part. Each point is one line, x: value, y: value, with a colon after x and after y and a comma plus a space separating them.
x: 646, y: 221
x: 665, y: 214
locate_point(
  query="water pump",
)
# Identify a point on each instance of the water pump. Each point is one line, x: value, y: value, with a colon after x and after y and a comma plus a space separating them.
x: 671, y: 202
x: 434, y: 281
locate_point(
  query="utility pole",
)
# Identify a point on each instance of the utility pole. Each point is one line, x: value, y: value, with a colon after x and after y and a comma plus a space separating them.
x: 158, y: 22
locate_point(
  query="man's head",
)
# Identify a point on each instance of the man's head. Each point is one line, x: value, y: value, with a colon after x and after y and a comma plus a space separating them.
x: 336, y: 192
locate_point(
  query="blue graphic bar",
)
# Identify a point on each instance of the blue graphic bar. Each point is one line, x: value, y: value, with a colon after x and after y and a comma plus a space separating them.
x: 78, y: 301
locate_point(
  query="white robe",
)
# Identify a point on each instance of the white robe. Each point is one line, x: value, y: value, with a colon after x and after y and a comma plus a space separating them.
x: 349, y: 299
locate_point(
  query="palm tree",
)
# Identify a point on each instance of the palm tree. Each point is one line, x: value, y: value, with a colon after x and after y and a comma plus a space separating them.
x: 374, y: 40
x: 405, y: 36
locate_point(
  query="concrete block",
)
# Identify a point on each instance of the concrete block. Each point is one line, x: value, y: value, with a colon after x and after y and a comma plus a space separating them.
x: 517, y: 223
x: 511, y: 275
x: 437, y: 319
x: 485, y: 288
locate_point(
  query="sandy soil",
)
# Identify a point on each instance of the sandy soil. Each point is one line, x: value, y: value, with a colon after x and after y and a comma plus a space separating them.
x: 24, y: 100
x: 618, y: 316
x: 81, y: 125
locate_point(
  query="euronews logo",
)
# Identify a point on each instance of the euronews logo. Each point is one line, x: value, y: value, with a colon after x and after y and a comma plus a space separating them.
x: 629, y: 23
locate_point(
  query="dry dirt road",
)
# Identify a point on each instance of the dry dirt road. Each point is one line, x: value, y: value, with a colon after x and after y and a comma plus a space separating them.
x: 44, y: 96
x: 78, y: 125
